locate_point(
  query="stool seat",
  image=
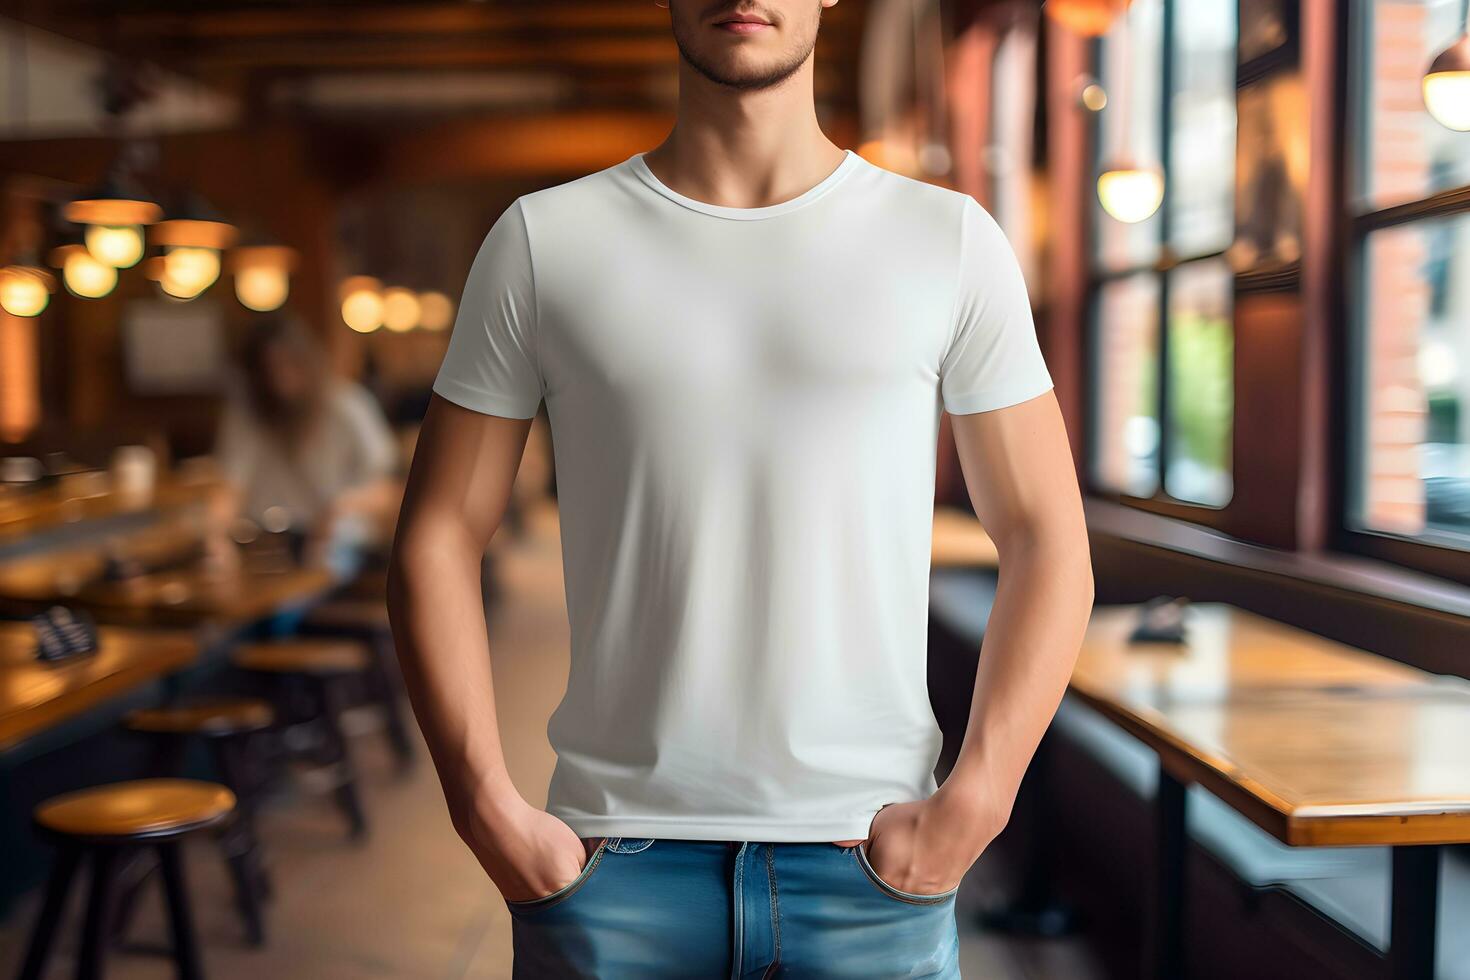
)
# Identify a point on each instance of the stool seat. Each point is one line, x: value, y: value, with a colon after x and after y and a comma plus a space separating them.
x: 302, y: 656
x: 205, y: 716
x: 350, y: 614
x: 137, y: 809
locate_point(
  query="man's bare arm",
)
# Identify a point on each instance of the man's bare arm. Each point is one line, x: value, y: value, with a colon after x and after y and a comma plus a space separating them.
x: 1020, y: 476
x: 1023, y: 486
x: 458, y: 486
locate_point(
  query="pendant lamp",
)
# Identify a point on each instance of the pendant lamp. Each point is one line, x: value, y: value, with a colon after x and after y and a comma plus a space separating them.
x: 1446, y: 85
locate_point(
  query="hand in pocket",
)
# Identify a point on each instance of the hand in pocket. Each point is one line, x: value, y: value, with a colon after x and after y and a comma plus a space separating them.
x: 527, y: 852
x: 912, y: 850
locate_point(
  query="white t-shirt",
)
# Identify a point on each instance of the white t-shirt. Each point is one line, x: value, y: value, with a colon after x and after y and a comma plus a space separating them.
x: 744, y: 407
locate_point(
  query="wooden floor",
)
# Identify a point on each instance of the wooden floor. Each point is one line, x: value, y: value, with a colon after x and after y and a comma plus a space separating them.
x: 410, y: 902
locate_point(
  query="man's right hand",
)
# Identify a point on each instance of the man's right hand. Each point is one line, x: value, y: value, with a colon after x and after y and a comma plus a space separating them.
x: 526, y: 851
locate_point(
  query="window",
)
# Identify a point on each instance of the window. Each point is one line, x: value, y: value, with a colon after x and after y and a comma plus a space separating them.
x: 1409, y: 463
x: 1162, y: 336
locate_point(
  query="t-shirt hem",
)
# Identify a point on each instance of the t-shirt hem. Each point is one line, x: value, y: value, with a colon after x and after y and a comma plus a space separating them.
x: 484, y: 402
x: 743, y: 829
x: 993, y: 398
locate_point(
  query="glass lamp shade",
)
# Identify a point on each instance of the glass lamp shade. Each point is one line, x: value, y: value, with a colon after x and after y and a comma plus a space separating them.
x: 362, y: 303
x: 83, y: 275
x: 25, y: 290
x: 1446, y: 86
x: 436, y: 311
x: 120, y: 246
x: 1130, y: 193
x: 401, y: 309
x: 1090, y: 18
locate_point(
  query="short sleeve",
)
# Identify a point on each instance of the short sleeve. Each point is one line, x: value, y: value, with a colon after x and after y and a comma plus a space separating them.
x: 993, y: 358
x: 491, y: 364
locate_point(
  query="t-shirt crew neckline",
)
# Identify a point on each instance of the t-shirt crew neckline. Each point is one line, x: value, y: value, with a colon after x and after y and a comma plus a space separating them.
x: 849, y: 162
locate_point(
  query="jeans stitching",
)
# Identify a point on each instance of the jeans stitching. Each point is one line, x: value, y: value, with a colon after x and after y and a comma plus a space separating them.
x: 775, y: 903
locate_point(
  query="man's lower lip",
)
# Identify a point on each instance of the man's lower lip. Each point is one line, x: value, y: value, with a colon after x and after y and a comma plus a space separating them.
x: 742, y: 27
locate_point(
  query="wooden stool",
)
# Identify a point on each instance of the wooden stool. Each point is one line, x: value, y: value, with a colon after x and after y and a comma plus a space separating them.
x: 311, y: 673
x: 366, y: 619
x: 102, y: 822
x: 226, y: 724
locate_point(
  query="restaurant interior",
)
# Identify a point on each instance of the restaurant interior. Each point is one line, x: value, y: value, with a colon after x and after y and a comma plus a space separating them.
x: 1245, y: 231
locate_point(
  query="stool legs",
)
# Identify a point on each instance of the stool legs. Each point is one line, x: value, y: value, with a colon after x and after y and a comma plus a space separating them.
x: 99, y: 902
x: 186, y: 946
x: 346, y: 790
x: 63, y: 870
x: 104, y: 860
x: 238, y: 841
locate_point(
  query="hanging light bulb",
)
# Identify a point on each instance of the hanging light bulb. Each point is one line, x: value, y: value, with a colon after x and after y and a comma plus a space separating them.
x: 189, y: 270
x: 25, y: 289
x: 436, y: 311
x: 401, y: 309
x: 184, y: 271
x: 262, y: 275
x: 84, y: 276
x: 1091, y: 95
x: 114, y: 212
x: 1130, y: 193
x: 1446, y: 85
x: 1090, y: 18
x: 192, y: 241
x: 120, y: 246
x: 362, y: 303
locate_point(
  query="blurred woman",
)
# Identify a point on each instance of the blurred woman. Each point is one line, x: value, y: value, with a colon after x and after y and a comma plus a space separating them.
x: 304, y: 450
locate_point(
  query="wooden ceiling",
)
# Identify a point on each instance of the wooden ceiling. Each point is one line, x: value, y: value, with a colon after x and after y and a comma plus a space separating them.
x: 563, y: 53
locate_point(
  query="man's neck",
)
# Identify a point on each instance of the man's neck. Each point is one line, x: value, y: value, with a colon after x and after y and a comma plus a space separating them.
x: 744, y: 149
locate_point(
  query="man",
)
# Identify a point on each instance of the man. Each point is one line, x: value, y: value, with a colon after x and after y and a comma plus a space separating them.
x: 744, y: 339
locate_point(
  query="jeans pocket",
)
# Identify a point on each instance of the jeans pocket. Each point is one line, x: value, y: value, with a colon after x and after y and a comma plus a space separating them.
x: 913, y: 898
x: 565, y: 891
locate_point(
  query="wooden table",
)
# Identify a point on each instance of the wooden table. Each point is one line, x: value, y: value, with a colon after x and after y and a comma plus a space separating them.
x: 194, y: 596
x: 191, y: 595
x: 91, y: 496
x: 35, y: 695
x: 1317, y: 743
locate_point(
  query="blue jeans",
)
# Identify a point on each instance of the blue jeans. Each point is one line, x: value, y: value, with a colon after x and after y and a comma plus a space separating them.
x: 663, y: 909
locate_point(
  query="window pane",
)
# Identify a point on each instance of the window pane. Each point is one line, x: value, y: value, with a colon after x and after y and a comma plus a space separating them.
x: 1406, y: 154
x: 1414, y: 434
x: 1131, y: 71
x: 1201, y: 364
x: 1202, y: 145
x: 1126, y: 401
